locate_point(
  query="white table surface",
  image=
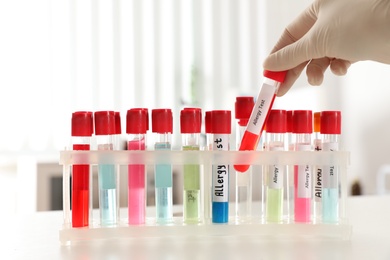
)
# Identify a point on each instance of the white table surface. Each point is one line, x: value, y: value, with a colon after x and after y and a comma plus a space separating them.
x: 36, y: 237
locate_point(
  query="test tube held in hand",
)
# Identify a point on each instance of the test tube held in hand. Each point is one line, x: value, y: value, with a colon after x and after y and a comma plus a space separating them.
x: 264, y: 102
x: 162, y: 127
x: 107, y: 174
x: 331, y: 131
x: 190, y: 126
x: 243, y: 108
x: 82, y: 129
x: 136, y: 128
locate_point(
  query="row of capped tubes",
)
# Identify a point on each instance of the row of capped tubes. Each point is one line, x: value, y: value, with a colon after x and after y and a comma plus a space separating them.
x: 194, y: 213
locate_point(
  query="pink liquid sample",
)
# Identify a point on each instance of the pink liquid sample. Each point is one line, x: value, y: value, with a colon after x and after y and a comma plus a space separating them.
x: 136, y: 187
x: 302, y: 206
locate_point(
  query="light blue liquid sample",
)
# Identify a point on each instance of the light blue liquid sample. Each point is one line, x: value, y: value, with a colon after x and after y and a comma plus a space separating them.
x: 108, y: 208
x: 164, y: 205
x: 107, y: 194
x: 163, y: 184
x: 330, y: 205
x: 220, y: 212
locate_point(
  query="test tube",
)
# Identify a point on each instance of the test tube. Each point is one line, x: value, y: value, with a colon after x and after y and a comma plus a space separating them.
x: 331, y: 131
x: 221, y: 130
x: 207, y: 199
x: 82, y: 129
x: 264, y: 102
x: 107, y: 175
x: 190, y: 126
x: 118, y: 132
x: 209, y: 135
x: 317, y: 180
x: 289, y: 127
x: 136, y: 128
x: 290, y: 143
x: 302, y: 129
x: 275, y: 141
x: 243, y: 108
x: 162, y: 126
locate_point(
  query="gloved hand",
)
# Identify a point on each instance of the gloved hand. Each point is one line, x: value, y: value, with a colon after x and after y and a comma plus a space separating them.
x: 332, y: 33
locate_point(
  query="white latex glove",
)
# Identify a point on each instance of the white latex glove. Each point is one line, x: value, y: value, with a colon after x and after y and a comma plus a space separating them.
x: 332, y: 33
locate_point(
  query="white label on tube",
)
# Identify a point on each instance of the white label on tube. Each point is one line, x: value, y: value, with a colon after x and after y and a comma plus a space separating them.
x: 304, y: 176
x: 276, y: 172
x: 318, y: 178
x: 261, y: 108
x: 330, y: 179
x: 220, y: 171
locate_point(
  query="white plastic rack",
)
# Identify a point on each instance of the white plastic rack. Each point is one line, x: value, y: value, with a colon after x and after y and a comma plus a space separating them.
x: 254, y: 226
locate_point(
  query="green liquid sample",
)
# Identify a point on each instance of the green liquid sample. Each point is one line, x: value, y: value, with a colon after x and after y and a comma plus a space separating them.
x: 274, y: 207
x: 191, y: 200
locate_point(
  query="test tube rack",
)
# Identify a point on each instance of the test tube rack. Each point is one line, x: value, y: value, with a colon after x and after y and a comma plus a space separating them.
x: 254, y: 226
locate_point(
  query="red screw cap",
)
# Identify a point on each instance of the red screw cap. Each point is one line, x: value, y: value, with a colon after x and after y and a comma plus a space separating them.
x: 302, y: 122
x: 190, y: 120
x: 221, y: 122
x: 162, y: 120
x: 137, y: 121
x: 243, y: 109
x: 105, y: 123
x: 330, y: 122
x: 82, y: 123
x: 207, y: 120
x: 118, y: 128
x: 277, y: 121
x: 289, y: 121
x: 278, y: 76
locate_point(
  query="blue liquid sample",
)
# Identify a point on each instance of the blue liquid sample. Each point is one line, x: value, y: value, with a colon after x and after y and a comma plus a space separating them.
x: 107, y: 194
x: 163, y: 183
x: 220, y: 198
x: 220, y: 212
x: 330, y: 205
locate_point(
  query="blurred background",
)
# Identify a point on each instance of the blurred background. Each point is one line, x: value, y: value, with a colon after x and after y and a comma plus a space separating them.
x: 57, y: 57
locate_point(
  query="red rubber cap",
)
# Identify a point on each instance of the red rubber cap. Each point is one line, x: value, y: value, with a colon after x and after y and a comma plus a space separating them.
x: 147, y: 115
x: 289, y: 121
x: 278, y: 76
x: 118, y: 128
x: 330, y: 122
x: 207, y: 120
x: 221, y: 122
x: 243, y: 109
x: 302, y: 122
x: 162, y: 121
x: 277, y: 121
x: 137, y: 121
x: 190, y: 120
x: 105, y: 123
x: 82, y: 123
